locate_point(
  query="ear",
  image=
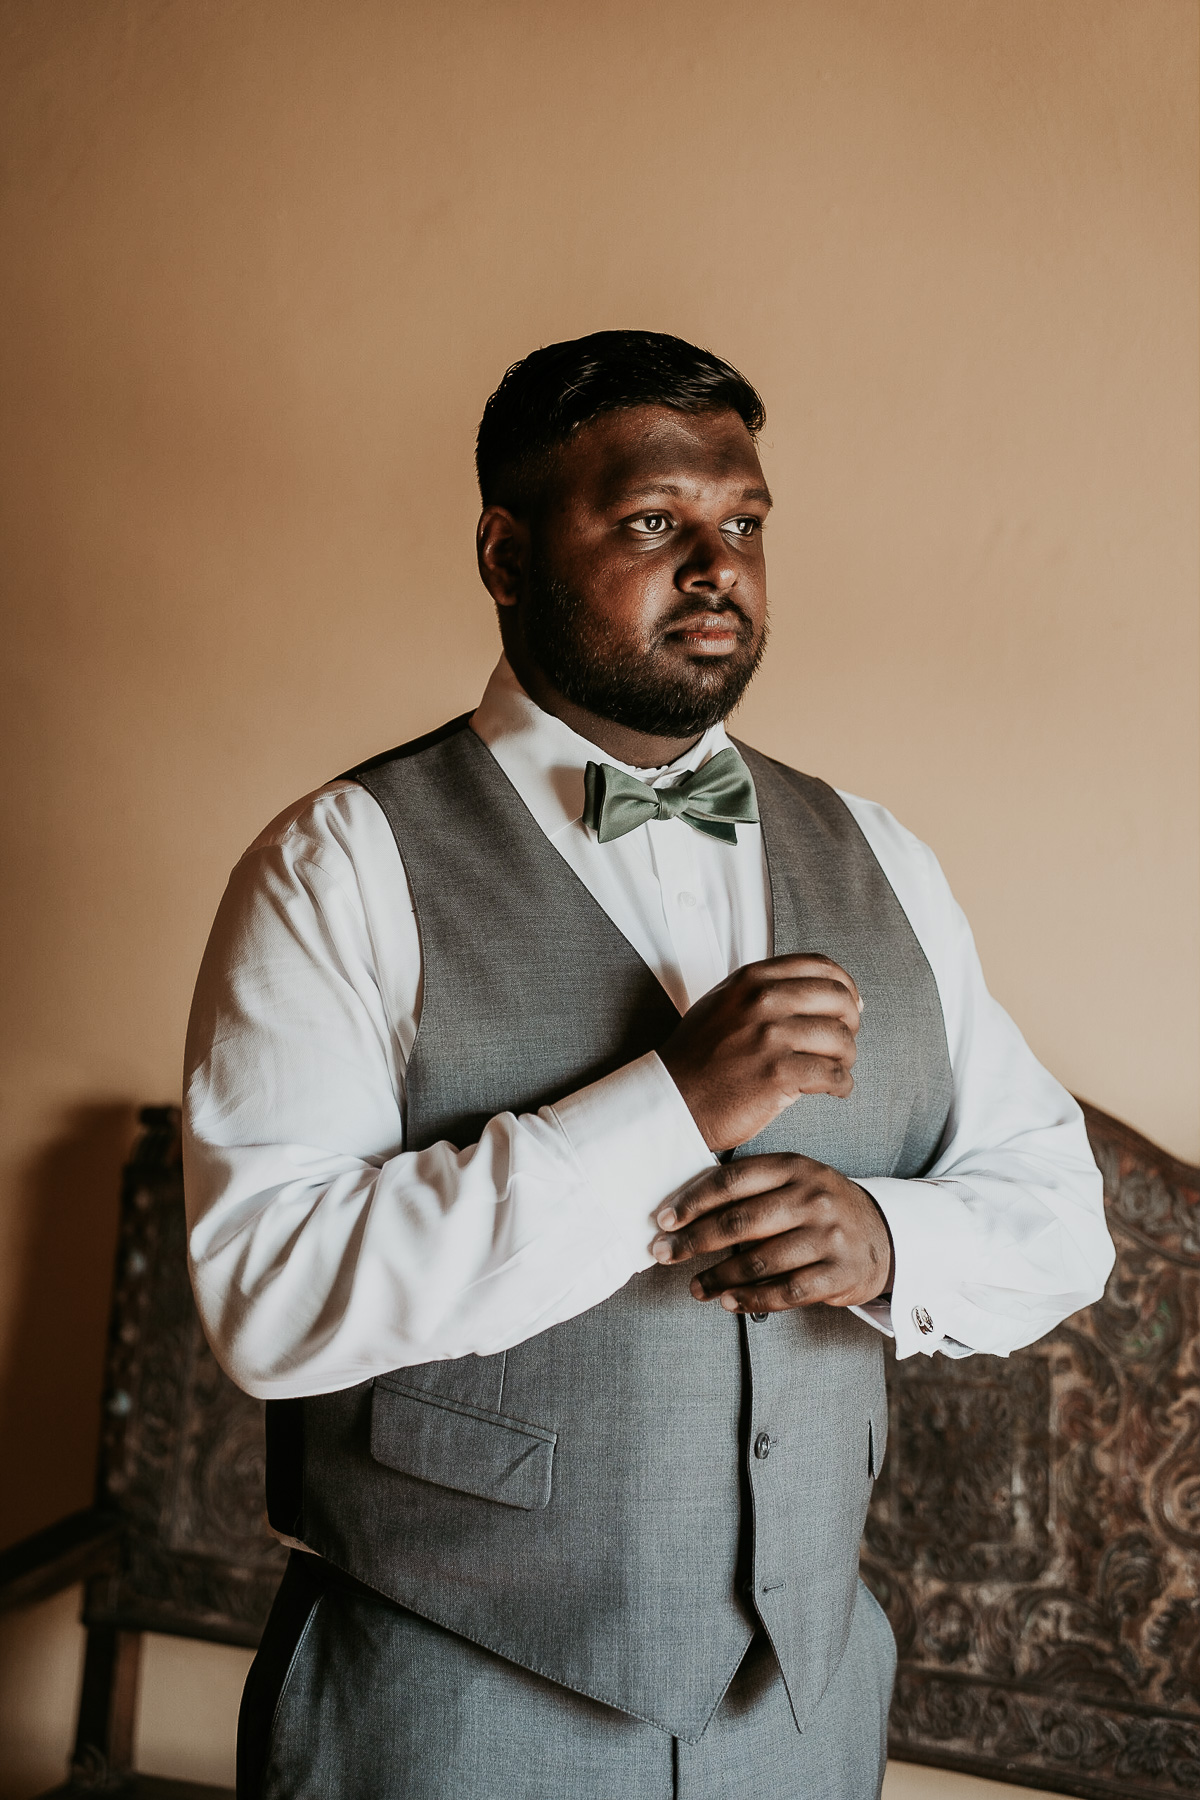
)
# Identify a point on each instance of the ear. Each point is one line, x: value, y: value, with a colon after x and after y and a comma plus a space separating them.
x: 502, y: 546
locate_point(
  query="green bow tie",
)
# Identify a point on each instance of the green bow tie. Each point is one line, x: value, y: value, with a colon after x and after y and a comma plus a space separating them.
x: 710, y: 800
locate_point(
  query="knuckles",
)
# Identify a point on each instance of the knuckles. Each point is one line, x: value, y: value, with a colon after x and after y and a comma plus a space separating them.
x: 751, y: 985
x: 733, y: 1222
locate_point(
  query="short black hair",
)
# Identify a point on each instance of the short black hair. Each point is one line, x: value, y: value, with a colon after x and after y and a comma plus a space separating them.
x: 553, y: 391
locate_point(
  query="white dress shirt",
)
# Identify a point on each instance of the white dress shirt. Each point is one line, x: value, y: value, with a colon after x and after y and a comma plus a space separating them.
x: 323, y: 1252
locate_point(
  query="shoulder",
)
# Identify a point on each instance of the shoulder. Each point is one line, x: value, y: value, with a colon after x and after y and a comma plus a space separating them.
x: 328, y: 824
x: 325, y: 872
x: 911, y: 868
x: 891, y: 842
x: 918, y: 882
x: 787, y: 787
x: 889, y: 839
x: 343, y: 815
x: 415, y: 749
x: 333, y: 842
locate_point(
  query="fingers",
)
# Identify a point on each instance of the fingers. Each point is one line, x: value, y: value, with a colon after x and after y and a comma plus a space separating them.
x: 796, y: 1268
x: 809, y: 964
x: 761, y: 1198
x: 794, y: 988
x: 806, y: 968
x: 810, y: 1056
x: 758, y: 1264
x: 797, y: 1035
x: 817, y: 1284
x: 801, y: 1233
x: 809, y: 998
x: 746, y: 1221
x: 732, y: 1182
x: 771, y: 1031
x: 820, y: 1075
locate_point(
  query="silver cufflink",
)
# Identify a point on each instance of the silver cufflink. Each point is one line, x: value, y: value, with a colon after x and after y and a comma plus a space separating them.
x: 922, y: 1321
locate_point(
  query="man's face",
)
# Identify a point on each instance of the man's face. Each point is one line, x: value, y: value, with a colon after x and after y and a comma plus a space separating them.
x: 643, y: 594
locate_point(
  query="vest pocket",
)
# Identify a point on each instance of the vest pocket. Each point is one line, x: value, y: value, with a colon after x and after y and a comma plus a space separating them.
x: 458, y: 1446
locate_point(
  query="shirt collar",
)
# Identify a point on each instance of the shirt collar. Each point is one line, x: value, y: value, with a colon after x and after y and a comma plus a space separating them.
x: 545, y: 760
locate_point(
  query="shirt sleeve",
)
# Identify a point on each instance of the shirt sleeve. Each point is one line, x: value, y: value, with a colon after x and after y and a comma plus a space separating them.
x: 1005, y: 1236
x: 322, y: 1251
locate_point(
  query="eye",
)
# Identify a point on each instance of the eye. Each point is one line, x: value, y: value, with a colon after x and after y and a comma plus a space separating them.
x: 651, y: 524
x: 745, y: 527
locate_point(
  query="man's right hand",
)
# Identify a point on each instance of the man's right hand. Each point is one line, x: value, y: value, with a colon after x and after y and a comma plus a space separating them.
x: 772, y: 1031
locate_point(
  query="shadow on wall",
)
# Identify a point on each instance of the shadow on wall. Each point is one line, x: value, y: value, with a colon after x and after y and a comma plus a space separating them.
x: 50, y: 1397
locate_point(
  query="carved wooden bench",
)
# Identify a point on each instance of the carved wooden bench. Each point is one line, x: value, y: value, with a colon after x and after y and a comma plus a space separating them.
x: 1035, y: 1531
x: 176, y: 1541
x: 1033, y: 1536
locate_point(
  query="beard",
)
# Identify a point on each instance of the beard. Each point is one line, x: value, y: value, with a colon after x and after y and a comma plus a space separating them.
x: 636, y: 683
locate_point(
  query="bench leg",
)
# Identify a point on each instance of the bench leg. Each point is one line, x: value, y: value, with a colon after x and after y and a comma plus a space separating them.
x: 107, y: 1708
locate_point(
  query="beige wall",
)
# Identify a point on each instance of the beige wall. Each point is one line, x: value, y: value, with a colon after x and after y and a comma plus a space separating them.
x: 264, y: 262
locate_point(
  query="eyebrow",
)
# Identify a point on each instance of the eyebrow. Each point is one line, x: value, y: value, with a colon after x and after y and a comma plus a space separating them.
x: 672, y: 487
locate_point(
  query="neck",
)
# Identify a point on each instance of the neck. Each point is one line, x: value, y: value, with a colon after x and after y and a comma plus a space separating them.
x: 640, y: 749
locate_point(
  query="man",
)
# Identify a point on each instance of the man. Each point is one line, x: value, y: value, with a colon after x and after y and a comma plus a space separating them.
x: 572, y: 1101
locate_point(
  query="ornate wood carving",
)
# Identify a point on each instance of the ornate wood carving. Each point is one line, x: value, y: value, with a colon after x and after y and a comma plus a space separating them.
x: 1034, y: 1533
x: 181, y: 1459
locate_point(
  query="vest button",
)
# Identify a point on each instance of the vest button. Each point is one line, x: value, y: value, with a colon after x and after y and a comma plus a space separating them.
x: 762, y: 1446
x: 759, y: 1317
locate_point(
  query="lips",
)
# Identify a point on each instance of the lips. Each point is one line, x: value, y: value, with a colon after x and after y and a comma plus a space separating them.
x: 708, y: 633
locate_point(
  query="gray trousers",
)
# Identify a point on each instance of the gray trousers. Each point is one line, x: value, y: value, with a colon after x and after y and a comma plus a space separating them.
x: 352, y: 1698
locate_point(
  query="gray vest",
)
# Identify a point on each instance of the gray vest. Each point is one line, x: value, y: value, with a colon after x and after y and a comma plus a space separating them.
x: 590, y: 1504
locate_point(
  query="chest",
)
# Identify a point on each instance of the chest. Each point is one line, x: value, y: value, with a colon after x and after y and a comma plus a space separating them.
x: 532, y: 989
x: 693, y: 908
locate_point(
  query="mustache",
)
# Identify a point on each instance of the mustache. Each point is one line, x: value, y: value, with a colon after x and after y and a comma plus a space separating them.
x: 689, y: 610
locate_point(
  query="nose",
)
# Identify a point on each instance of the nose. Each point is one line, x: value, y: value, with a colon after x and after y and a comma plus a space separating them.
x: 708, y: 567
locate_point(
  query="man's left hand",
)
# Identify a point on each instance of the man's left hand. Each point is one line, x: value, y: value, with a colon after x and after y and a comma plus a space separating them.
x: 803, y: 1234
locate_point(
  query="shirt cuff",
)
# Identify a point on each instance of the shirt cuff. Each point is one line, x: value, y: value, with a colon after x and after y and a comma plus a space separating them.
x: 933, y: 1250
x: 879, y: 1314
x: 635, y: 1142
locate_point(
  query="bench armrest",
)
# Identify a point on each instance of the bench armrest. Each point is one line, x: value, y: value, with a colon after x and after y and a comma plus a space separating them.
x: 85, y: 1543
